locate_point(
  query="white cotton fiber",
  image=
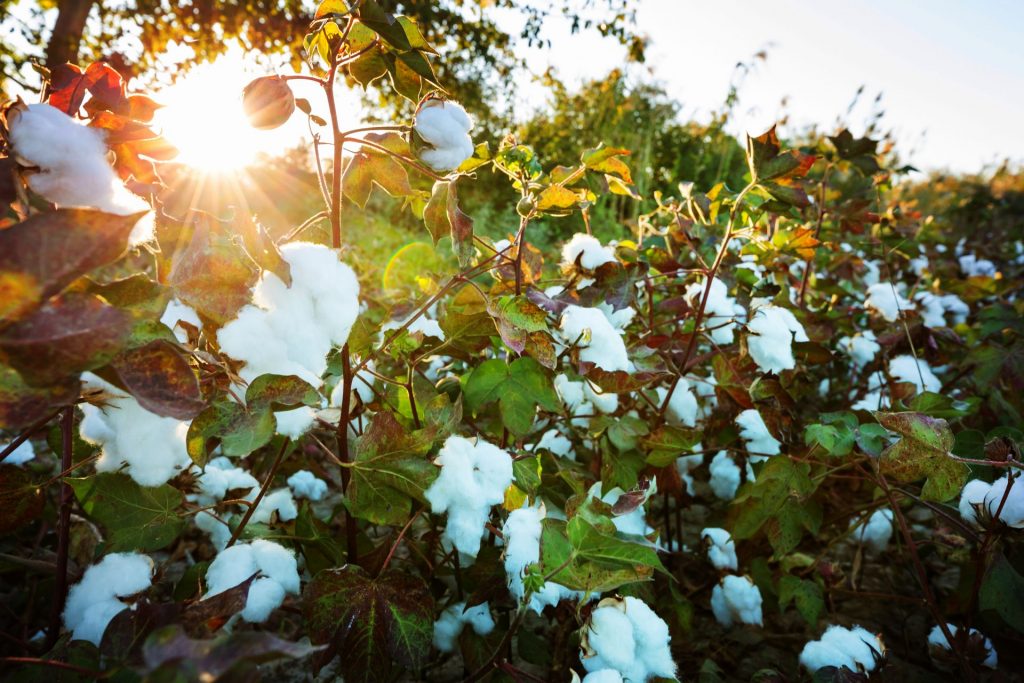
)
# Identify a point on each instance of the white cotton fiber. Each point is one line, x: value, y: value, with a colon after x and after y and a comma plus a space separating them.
x: 887, y: 301
x: 1012, y: 513
x: 421, y: 325
x: 725, y: 476
x: 736, y: 599
x: 152, y: 447
x: 634, y: 522
x: 74, y: 169
x: 721, y: 311
x: 721, y: 548
x: 855, y: 648
x: 219, y: 477
x: 445, y: 127
x: 916, y: 371
x: 626, y: 635
x: 290, y: 330
x: 753, y: 430
x: 93, y: 601
x: 971, y: 499
x: 603, y: 676
x: 682, y: 404
x: 861, y: 347
x: 619, y: 319
x: 305, y: 484
x: 588, y: 250
x: 473, y: 478
x: 874, y: 534
x: 569, y: 391
x: 556, y: 443
x: 937, y: 640
x: 522, y: 531
x: 685, y: 464
x: 599, y: 342
x: 451, y: 621
x: 277, y: 504
x: 178, y: 312
x: 275, y: 566
x: 930, y: 308
x: 972, y: 266
x: 772, y: 332
x: 24, y: 453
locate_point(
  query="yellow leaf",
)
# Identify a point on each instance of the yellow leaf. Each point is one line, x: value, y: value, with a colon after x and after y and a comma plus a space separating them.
x: 556, y: 197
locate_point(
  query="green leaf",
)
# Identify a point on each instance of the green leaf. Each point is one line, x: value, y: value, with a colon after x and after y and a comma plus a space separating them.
x: 280, y: 392
x: 1002, y: 591
x: 922, y: 452
x: 238, y: 431
x: 136, y: 518
x: 937, y: 405
x: 385, y: 24
x: 807, y: 595
x: 597, y: 546
x: 374, y: 624
x: 519, y: 388
x: 389, y: 470
x: 557, y: 553
x: 667, y: 443
x: 370, y: 167
x: 43, y: 254
x: 20, y: 498
x: 442, y: 216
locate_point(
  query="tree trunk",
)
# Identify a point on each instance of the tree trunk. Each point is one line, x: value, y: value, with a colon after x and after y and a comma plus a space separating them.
x: 67, y: 32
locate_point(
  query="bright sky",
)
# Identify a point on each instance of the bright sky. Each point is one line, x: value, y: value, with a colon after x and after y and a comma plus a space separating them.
x: 951, y: 70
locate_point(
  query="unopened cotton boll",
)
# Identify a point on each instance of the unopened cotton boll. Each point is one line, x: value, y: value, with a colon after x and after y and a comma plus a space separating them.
x: 861, y: 347
x: 886, y: 300
x: 753, y: 430
x: 588, y: 249
x: 24, y: 453
x: 770, y: 344
x: 177, y: 312
x: 857, y: 649
x: 627, y: 636
x: 305, y: 484
x: 275, y: 568
x: 473, y: 478
x: 988, y: 657
x: 725, y: 476
x: 682, y: 404
x: 599, y: 342
x: 95, y: 600
x: 736, y: 599
x: 289, y: 330
x: 916, y: 371
x: 74, y: 168
x: 721, y: 548
x: 874, y: 534
x: 151, y: 446
x: 453, y: 620
x: 444, y: 126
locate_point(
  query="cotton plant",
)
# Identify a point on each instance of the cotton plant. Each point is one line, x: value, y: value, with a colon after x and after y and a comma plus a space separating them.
x: 274, y: 567
x: 472, y: 479
x: 556, y: 443
x: 625, y: 635
x: 150, y: 447
x: 856, y: 649
x: 773, y: 329
x: 290, y: 329
x: 453, y: 620
x: 736, y: 600
x: 721, y: 549
x: 74, y: 169
x: 101, y: 594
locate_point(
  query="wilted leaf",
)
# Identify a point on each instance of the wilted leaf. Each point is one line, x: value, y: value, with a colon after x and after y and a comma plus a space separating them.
x: 22, y: 405
x: 922, y: 452
x: 173, y: 652
x: 160, y: 379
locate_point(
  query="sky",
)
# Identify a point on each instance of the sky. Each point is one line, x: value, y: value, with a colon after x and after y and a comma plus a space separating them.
x: 951, y: 74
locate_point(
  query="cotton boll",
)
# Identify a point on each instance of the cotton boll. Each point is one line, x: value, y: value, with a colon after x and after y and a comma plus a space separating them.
x: 770, y: 344
x: 152, y: 447
x: 556, y: 443
x: 725, y: 476
x: 861, y: 347
x: 721, y: 548
x: 736, y: 599
x: 289, y: 330
x: 619, y: 319
x: 610, y: 635
x: 885, y: 300
x: 522, y: 531
x: 682, y: 404
x: 473, y: 478
x: 686, y: 464
x: 971, y: 498
x: 279, y: 503
x: 217, y: 479
x: 817, y: 655
x: 626, y: 636
x: 930, y: 307
x: 919, y: 265
x: 972, y: 266
x: 753, y: 430
x: 570, y: 392
x: 872, y: 273
x: 421, y: 325
x: 24, y: 453
x: 916, y: 371
x: 603, y: 676
x: 74, y: 169
x: 604, y: 401
x: 876, y: 532
x: 444, y: 126
x: 305, y: 484
x: 937, y: 642
x: 588, y: 250
x: 276, y: 570
x: 1012, y: 513
x: 93, y: 601
x: 599, y: 342
x: 295, y: 422
x: 450, y: 623
x: 858, y: 643
x: 652, y: 639
x: 720, y: 312
x: 955, y: 307
x: 217, y: 529
x: 178, y: 312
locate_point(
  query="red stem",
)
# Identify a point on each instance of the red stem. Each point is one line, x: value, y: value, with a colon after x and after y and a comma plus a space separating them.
x: 60, y: 590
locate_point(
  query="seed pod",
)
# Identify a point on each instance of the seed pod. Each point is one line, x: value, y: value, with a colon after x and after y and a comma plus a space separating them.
x: 268, y: 102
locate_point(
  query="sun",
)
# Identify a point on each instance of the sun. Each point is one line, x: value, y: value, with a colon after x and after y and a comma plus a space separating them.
x: 202, y: 116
